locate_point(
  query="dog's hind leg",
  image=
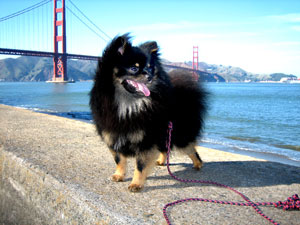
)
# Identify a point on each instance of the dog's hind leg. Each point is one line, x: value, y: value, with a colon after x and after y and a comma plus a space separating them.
x: 144, y: 163
x: 121, y: 162
x: 197, y: 162
x: 190, y: 150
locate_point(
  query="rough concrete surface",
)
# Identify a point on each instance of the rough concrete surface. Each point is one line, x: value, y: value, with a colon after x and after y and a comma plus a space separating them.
x: 56, y: 170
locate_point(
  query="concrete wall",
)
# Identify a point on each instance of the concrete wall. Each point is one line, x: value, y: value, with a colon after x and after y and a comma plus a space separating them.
x: 30, y: 196
x: 55, y: 170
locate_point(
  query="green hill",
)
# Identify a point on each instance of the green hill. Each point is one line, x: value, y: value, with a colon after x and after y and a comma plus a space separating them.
x: 41, y: 69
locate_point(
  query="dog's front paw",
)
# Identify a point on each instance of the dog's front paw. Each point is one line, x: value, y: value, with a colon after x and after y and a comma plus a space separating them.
x: 117, y: 178
x: 135, y: 187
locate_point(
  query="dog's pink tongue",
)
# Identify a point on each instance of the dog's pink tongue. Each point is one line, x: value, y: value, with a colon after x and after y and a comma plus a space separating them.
x: 140, y: 87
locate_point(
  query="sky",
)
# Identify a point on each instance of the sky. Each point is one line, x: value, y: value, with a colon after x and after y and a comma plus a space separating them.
x: 259, y: 36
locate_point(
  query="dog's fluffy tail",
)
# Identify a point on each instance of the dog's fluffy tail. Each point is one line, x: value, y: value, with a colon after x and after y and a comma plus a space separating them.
x: 188, y: 107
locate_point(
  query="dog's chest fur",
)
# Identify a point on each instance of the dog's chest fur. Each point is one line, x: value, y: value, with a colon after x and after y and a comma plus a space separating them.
x: 128, y: 105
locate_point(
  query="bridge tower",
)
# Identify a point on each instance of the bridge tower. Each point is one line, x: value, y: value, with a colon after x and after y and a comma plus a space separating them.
x: 195, y: 62
x: 60, y: 44
x: 195, y: 58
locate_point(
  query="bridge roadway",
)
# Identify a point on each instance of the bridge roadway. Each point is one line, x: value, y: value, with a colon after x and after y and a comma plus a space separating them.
x: 55, y: 170
x: 8, y: 51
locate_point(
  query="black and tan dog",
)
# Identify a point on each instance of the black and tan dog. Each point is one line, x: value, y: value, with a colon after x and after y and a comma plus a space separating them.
x: 132, y: 101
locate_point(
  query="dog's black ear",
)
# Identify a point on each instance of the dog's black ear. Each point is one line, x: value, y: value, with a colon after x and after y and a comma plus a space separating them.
x: 121, y: 43
x: 150, y: 47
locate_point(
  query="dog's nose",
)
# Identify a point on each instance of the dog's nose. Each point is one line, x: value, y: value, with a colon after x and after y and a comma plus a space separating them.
x: 148, y: 73
x: 148, y: 70
x: 145, y: 72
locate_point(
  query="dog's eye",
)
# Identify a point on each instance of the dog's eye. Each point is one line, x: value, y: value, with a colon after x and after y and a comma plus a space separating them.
x: 133, y: 69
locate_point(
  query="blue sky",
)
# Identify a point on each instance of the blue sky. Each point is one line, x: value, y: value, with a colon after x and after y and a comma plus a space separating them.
x: 260, y: 36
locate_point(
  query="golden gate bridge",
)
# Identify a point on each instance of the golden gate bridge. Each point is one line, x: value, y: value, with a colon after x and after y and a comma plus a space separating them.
x: 59, y: 53
x: 40, y: 22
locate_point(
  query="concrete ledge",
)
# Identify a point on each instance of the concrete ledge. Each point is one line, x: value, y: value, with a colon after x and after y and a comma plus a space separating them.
x: 55, y: 170
x: 30, y: 196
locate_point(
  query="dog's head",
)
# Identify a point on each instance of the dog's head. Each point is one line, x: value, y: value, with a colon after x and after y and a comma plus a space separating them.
x: 135, y: 68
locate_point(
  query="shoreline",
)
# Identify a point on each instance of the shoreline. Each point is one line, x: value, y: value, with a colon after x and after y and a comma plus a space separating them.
x: 268, y: 156
x: 263, y: 156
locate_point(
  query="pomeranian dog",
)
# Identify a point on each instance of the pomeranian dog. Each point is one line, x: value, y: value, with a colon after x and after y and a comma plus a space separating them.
x: 132, y: 101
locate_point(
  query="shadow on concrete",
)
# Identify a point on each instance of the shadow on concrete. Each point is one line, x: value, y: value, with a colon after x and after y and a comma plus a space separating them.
x: 233, y: 173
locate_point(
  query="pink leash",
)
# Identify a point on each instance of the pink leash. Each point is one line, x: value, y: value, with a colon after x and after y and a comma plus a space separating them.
x: 291, y: 203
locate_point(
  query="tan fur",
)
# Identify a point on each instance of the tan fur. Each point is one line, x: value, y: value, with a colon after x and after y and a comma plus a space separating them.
x: 107, y: 138
x: 148, y: 160
x: 139, y: 178
x: 197, y: 165
x: 161, y: 159
x: 189, y: 150
x: 120, y: 172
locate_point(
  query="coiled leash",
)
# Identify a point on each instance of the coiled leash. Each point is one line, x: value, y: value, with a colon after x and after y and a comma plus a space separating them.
x: 291, y: 203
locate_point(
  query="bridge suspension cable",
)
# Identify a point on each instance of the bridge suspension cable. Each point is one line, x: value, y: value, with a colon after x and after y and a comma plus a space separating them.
x: 28, y: 28
x: 25, y: 10
x: 86, y: 25
x: 32, y: 29
x: 90, y: 21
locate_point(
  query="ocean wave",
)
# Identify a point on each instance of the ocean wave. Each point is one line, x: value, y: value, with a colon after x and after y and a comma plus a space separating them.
x: 292, y: 147
x: 237, y: 146
x: 248, y: 139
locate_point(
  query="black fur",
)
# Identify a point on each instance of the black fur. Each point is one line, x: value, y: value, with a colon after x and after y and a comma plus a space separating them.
x: 120, y: 110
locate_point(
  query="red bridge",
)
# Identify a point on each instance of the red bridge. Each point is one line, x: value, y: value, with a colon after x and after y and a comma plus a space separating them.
x: 38, y: 16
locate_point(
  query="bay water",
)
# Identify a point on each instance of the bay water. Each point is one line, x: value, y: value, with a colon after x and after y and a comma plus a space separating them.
x: 256, y: 119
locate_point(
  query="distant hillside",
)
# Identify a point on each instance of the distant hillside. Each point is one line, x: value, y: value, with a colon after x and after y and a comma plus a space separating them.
x: 41, y: 69
x: 278, y: 76
x: 203, y: 75
x: 229, y: 73
x: 236, y: 74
